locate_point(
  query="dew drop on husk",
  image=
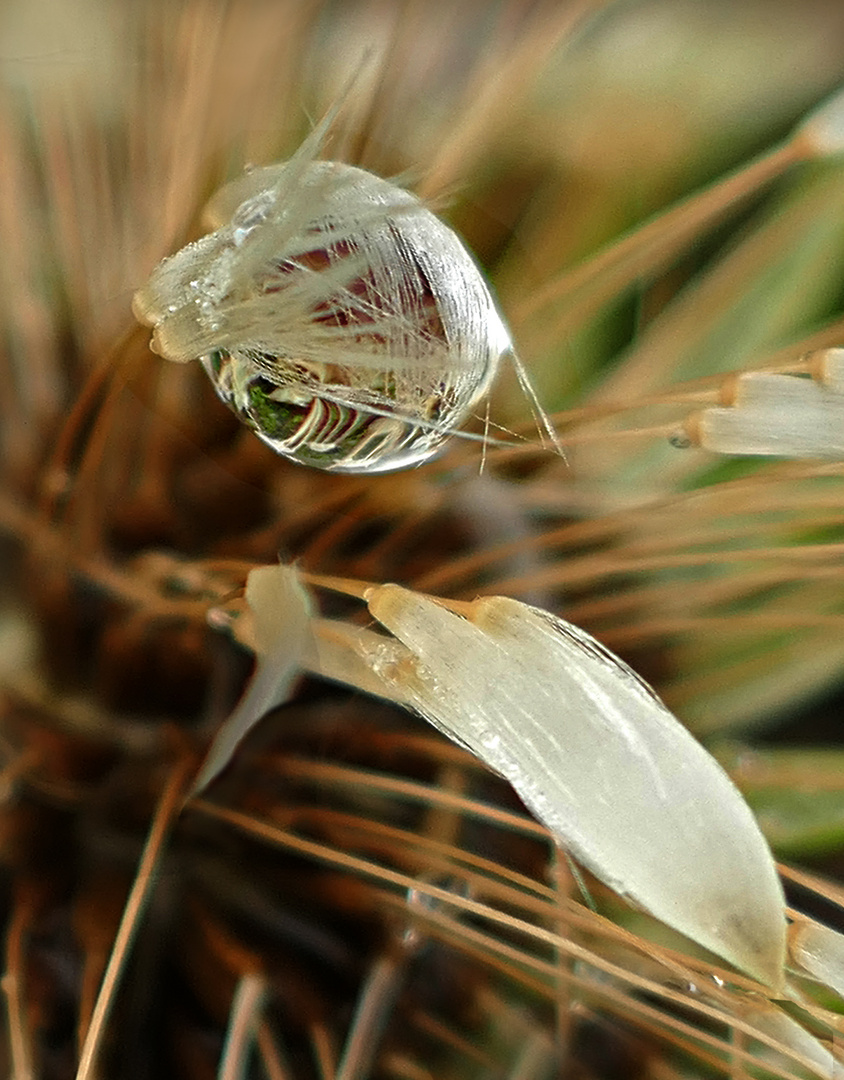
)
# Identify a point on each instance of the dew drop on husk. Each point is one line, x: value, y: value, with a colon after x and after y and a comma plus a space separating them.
x: 337, y: 316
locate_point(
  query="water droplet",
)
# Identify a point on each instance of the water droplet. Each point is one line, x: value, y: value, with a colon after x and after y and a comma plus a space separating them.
x: 339, y: 318
x: 680, y: 439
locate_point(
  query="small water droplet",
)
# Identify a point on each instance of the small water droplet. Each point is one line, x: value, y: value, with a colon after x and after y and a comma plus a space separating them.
x: 680, y: 439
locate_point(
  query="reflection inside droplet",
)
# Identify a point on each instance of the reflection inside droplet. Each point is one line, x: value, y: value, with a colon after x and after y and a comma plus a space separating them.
x: 339, y: 318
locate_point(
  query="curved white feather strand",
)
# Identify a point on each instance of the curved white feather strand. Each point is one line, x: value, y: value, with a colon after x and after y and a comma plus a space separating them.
x: 281, y: 617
